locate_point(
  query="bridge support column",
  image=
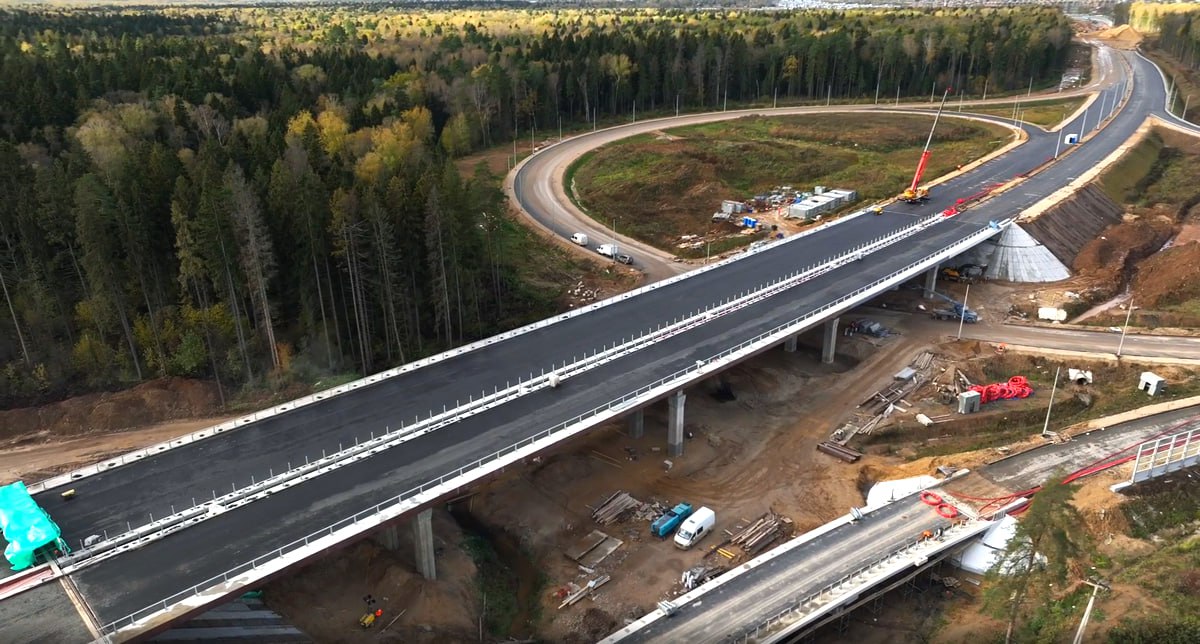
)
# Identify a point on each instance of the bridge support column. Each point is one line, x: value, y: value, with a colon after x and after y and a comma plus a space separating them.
x: 830, y: 343
x: 637, y: 424
x: 675, y: 423
x: 423, y: 542
x: 389, y: 538
x: 931, y: 282
x: 790, y: 344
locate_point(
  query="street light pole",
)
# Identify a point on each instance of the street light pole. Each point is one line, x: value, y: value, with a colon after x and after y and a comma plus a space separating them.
x: 1125, y: 329
x: 963, y: 316
x: 1185, y: 106
x: 1053, y: 390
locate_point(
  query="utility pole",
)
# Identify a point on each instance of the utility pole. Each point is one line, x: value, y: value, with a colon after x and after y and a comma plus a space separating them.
x: 1125, y: 329
x: 933, y: 91
x: 1030, y: 92
x: 775, y: 103
x: 986, y: 80
x: 829, y: 95
x: 963, y: 317
x: 1053, y: 390
x: 1083, y: 125
x: 560, y: 127
x: 676, y: 103
x: 1186, y: 101
x: 1103, y: 101
x: 725, y: 102
x: 897, y: 94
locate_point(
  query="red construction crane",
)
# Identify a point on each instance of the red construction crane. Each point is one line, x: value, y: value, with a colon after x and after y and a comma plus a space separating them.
x: 914, y: 193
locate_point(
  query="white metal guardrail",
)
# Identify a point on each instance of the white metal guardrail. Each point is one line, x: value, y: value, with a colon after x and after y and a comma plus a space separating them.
x: 657, y: 388
x: 237, y: 497
x: 1165, y: 455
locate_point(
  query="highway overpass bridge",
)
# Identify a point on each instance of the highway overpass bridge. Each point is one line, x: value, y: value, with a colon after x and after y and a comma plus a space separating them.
x: 186, y: 524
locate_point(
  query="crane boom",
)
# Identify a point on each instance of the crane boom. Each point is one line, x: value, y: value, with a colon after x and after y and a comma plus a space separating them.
x: 914, y: 193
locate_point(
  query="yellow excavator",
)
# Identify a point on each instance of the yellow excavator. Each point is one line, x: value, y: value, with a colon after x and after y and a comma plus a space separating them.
x: 915, y: 193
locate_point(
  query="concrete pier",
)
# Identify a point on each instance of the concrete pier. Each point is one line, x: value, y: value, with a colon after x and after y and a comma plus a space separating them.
x: 931, y: 282
x: 675, y: 423
x: 423, y: 543
x: 791, y: 343
x: 830, y: 343
x: 637, y: 424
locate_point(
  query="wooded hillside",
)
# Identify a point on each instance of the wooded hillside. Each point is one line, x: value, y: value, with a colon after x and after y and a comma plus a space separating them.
x: 232, y: 192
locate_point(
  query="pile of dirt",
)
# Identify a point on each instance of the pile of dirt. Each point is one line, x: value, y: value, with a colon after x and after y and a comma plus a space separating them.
x: 1169, y: 277
x: 1105, y: 261
x: 150, y: 402
x: 326, y: 599
x: 1122, y: 35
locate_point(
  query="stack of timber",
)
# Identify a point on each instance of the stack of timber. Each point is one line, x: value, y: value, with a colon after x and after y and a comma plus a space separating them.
x: 615, y: 507
x: 760, y: 533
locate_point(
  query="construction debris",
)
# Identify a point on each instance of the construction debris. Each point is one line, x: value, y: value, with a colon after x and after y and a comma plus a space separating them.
x: 839, y: 451
x: 584, y: 591
x: 697, y: 575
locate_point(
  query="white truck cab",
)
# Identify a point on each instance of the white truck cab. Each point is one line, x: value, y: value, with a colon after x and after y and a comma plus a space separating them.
x: 580, y: 238
x: 696, y: 527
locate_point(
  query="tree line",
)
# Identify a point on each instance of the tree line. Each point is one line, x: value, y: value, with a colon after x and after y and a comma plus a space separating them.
x: 229, y: 193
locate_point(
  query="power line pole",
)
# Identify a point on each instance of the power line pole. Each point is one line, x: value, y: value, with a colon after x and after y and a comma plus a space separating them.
x: 1053, y: 390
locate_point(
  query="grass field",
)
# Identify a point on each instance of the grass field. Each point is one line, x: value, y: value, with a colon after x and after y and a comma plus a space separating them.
x: 1045, y: 113
x: 657, y: 187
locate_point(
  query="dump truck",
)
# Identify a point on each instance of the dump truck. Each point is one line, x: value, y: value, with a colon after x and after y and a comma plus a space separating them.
x: 666, y: 524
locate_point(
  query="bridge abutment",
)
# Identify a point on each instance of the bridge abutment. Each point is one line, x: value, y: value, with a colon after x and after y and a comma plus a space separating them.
x: 931, y: 282
x: 637, y: 424
x: 830, y: 343
x: 423, y: 543
x: 675, y: 423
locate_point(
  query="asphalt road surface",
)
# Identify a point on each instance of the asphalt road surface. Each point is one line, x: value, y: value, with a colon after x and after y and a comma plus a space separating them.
x: 1150, y: 346
x: 140, y: 577
x: 739, y: 605
x: 1029, y: 469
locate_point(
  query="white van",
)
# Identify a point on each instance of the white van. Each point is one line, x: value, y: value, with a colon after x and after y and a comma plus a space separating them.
x: 608, y: 250
x: 696, y: 527
x: 580, y: 238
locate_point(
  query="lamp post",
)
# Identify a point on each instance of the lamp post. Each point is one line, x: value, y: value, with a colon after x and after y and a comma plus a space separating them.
x: 1185, y: 106
x: 1125, y: 329
x: 963, y: 316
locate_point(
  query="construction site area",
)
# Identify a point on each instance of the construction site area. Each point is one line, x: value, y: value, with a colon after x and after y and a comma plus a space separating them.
x: 970, y: 375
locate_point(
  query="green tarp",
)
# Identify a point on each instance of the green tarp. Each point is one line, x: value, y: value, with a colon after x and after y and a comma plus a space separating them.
x: 26, y: 526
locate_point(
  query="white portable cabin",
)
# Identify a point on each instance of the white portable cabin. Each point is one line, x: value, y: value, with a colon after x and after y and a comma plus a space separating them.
x: 844, y: 196
x: 824, y: 203
x: 695, y: 527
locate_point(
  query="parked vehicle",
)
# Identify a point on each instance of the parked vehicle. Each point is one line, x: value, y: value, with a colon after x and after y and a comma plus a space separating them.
x: 663, y: 526
x: 696, y: 527
x: 608, y: 250
x: 580, y: 238
x: 624, y: 259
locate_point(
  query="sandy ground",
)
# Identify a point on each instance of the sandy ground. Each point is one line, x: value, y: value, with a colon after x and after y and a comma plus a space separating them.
x: 38, y: 461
